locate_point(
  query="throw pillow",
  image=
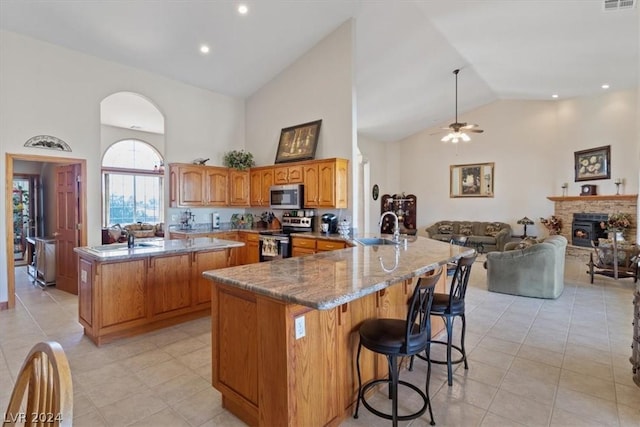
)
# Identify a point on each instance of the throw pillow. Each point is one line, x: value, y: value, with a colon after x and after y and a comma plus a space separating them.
x: 466, y: 229
x: 526, y: 242
x: 492, y: 229
x: 445, y: 228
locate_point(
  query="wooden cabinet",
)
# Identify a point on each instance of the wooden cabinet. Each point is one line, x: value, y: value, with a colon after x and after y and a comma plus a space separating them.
x: 129, y: 297
x: 169, y: 278
x: 301, y: 246
x: 323, y: 245
x: 197, y: 186
x: 215, y: 189
x: 325, y: 184
x: 261, y: 180
x: 251, y: 248
x: 238, y: 187
x: 290, y: 174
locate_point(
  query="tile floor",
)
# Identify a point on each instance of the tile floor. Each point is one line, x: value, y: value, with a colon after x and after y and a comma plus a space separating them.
x: 561, y: 362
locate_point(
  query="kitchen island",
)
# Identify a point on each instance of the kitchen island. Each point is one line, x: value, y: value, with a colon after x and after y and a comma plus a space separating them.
x: 285, y: 333
x: 125, y: 291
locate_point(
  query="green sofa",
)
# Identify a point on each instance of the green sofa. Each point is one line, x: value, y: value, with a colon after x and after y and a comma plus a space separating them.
x: 535, y: 271
x: 492, y: 235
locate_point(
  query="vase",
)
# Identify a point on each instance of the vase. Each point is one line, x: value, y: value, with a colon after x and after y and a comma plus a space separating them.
x: 619, y: 236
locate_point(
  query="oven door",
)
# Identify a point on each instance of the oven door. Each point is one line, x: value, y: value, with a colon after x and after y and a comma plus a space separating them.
x: 273, y: 247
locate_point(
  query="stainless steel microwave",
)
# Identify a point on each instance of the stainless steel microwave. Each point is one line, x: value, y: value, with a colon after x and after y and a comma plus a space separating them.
x: 289, y: 196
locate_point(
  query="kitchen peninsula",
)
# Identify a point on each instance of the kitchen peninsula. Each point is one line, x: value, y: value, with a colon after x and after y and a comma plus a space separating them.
x: 125, y: 291
x: 285, y: 333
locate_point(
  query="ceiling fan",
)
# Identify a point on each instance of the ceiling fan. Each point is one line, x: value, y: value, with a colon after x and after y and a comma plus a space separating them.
x: 457, y: 131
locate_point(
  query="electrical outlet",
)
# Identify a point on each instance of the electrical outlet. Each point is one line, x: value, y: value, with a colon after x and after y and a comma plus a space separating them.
x: 300, y: 332
x: 174, y: 218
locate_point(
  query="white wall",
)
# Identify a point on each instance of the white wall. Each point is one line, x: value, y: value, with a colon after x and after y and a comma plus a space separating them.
x: 50, y: 90
x: 532, y: 144
x: 111, y: 134
x: 318, y: 85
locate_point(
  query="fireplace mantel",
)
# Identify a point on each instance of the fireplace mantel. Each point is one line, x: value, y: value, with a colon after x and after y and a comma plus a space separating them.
x: 585, y: 198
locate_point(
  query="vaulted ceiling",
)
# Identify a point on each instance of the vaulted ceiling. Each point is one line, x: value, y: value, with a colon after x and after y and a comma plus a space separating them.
x: 405, y: 50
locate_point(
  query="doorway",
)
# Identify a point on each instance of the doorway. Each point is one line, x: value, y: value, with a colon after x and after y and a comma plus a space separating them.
x: 81, y: 212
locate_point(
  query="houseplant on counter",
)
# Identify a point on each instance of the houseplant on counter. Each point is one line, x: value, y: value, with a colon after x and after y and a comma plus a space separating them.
x: 238, y: 159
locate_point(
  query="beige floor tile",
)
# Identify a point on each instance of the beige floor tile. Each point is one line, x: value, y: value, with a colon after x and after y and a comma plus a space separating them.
x: 582, y: 381
x: 182, y: 347
x: 500, y: 345
x: 588, y: 406
x: 528, y: 387
x: 628, y: 395
x: 491, y: 357
x: 522, y: 410
x: 470, y: 391
x: 481, y: 372
x: 146, y: 359
x: 167, y: 417
x: 89, y: 419
x: 595, y: 369
x: 132, y: 409
x: 493, y: 420
x: 200, y: 407
x: 562, y: 418
x: 180, y: 387
x: 449, y: 411
x: 541, y: 355
x: 196, y: 358
x: 162, y: 372
x: 536, y: 370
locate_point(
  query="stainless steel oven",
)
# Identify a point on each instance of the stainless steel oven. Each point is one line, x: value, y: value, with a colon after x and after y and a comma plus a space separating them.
x: 273, y: 245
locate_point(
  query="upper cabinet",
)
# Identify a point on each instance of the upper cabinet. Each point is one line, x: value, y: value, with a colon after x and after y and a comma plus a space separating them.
x: 290, y: 174
x: 197, y: 186
x: 238, y: 187
x: 261, y: 181
x: 325, y: 183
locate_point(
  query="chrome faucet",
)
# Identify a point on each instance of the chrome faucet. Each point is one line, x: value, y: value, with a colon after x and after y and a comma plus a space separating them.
x: 396, y: 227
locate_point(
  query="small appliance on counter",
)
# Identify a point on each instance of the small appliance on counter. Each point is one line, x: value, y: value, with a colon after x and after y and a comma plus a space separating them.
x: 277, y: 244
x: 331, y: 220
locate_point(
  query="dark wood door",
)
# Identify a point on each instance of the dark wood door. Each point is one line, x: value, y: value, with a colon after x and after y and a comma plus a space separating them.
x: 67, y: 227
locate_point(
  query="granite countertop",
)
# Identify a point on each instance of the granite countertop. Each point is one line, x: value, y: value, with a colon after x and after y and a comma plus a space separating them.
x: 329, y: 279
x: 195, y: 231
x: 152, y: 247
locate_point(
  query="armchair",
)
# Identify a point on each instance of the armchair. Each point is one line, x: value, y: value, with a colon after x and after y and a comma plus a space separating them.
x: 536, y: 271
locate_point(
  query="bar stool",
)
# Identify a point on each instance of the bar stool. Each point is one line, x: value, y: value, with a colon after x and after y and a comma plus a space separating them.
x: 448, y: 306
x: 400, y: 337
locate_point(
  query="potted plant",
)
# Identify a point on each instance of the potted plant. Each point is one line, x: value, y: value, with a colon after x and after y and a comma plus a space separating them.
x: 238, y: 159
x: 617, y: 223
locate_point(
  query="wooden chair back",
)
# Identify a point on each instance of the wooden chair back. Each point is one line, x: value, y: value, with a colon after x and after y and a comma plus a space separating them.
x: 45, y: 381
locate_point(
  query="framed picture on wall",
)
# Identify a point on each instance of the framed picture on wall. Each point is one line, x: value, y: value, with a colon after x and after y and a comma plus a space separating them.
x: 298, y: 142
x: 594, y: 163
x: 471, y: 180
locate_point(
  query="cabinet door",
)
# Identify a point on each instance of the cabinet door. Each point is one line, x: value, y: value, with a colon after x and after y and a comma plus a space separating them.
x: 295, y: 174
x: 238, y: 188
x: 122, y: 293
x: 311, y: 185
x: 191, y: 184
x: 280, y: 175
x: 234, y: 255
x: 302, y: 252
x: 251, y: 254
x: 326, y: 184
x: 169, y: 278
x: 261, y: 181
x: 204, y: 261
x: 216, y: 186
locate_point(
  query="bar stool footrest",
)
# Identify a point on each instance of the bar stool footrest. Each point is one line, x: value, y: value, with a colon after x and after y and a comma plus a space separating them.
x: 444, y: 362
x: 384, y: 415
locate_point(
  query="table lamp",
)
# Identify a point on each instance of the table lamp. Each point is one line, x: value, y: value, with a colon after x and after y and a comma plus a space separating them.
x: 525, y: 221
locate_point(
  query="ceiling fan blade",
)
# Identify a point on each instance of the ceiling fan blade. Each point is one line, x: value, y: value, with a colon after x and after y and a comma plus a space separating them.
x: 475, y: 130
x: 469, y: 126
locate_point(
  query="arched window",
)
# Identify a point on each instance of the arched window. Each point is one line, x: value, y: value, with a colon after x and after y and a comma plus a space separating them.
x: 132, y: 181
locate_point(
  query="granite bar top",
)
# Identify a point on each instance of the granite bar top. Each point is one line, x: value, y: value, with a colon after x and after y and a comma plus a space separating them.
x: 329, y: 279
x: 209, y: 230
x: 153, y: 247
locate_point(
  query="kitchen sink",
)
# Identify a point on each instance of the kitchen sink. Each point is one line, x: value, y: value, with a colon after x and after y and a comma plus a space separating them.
x: 116, y: 247
x: 370, y: 241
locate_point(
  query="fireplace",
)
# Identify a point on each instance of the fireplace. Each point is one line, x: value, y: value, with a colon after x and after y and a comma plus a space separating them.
x: 586, y: 227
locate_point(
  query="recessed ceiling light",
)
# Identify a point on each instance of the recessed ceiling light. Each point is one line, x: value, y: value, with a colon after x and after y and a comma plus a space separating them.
x: 243, y: 9
x: 605, y: 86
x: 555, y: 95
x: 204, y: 48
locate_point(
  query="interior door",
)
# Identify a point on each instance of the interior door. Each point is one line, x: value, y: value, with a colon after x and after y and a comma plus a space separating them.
x: 67, y: 226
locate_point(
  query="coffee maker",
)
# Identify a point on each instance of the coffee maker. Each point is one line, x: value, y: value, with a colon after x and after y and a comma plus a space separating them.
x: 332, y: 220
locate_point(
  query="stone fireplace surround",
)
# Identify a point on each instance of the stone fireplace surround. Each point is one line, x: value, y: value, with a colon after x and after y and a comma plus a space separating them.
x: 565, y: 207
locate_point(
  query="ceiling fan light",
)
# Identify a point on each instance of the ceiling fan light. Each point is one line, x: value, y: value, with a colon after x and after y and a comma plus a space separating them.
x: 465, y: 137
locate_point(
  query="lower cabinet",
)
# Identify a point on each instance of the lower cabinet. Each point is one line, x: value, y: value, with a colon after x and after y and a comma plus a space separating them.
x: 251, y: 248
x: 129, y: 297
x: 308, y: 246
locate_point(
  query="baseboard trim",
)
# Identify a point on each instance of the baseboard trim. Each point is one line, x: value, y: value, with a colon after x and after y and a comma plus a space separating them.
x: 4, y: 305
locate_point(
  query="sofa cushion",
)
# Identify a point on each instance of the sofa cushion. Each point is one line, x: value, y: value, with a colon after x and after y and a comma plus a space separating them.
x: 466, y: 229
x: 445, y: 228
x: 492, y: 229
x: 526, y: 242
